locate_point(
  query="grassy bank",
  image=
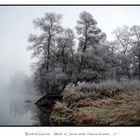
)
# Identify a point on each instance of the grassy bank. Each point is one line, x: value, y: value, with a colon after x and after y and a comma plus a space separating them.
x: 107, y: 103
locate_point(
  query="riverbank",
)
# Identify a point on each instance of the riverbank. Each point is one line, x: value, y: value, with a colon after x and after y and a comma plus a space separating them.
x: 109, y: 103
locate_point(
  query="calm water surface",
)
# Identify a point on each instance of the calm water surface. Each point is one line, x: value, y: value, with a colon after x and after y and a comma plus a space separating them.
x: 16, y: 110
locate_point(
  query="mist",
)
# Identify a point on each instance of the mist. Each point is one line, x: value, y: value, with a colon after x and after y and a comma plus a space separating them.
x: 17, y: 97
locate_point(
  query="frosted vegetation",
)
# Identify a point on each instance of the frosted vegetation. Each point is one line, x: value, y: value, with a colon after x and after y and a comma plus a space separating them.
x: 100, y: 90
x: 107, y: 103
x: 98, y: 79
x: 92, y: 59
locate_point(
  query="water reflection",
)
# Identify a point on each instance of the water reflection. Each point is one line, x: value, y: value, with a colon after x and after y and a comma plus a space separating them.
x: 43, y: 116
x: 20, y: 109
x: 13, y: 110
x: 25, y: 113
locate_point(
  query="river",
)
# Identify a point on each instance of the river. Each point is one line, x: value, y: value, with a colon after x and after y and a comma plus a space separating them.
x: 20, y: 109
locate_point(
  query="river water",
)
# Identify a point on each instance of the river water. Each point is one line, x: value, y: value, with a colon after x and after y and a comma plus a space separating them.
x: 19, y: 109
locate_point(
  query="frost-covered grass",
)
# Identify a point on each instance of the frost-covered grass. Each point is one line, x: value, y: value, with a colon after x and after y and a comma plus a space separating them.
x: 106, y: 103
x: 123, y: 84
x: 100, y: 90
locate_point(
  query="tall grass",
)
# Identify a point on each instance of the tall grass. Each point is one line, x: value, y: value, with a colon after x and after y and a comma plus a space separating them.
x: 106, y: 103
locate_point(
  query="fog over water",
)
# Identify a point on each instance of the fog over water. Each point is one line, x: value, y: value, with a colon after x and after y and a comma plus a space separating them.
x: 14, y: 111
x: 17, y: 108
x: 17, y: 102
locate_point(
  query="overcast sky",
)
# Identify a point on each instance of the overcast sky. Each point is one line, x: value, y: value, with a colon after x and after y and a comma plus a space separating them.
x: 16, y: 25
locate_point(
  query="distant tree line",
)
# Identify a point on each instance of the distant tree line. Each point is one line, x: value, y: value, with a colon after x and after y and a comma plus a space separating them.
x: 21, y: 83
x: 61, y: 60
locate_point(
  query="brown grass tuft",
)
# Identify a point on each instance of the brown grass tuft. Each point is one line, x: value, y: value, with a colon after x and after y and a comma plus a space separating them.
x: 84, y: 118
x: 108, y: 91
x: 66, y: 95
x: 59, y: 107
x: 84, y: 103
x: 126, y: 116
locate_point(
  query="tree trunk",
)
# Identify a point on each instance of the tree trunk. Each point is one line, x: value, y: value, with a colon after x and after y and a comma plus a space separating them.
x: 48, y: 52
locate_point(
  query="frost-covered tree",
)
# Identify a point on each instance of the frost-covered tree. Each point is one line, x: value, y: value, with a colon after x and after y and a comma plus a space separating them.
x: 44, y: 42
x: 123, y: 42
x: 90, y: 37
x: 54, y: 46
x: 135, y: 32
x: 61, y: 75
x: 128, y: 43
x: 43, y: 45
x: 60, y: 61
x: 65, y: 50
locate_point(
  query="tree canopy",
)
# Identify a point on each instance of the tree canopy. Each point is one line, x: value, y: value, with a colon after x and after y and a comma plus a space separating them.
x: 94, y: 59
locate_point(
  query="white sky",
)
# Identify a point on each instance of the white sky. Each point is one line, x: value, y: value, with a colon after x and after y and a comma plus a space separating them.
x: 16, y: 25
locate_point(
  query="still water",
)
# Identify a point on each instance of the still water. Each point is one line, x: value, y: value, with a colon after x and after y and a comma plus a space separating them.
x: 19, y: 109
